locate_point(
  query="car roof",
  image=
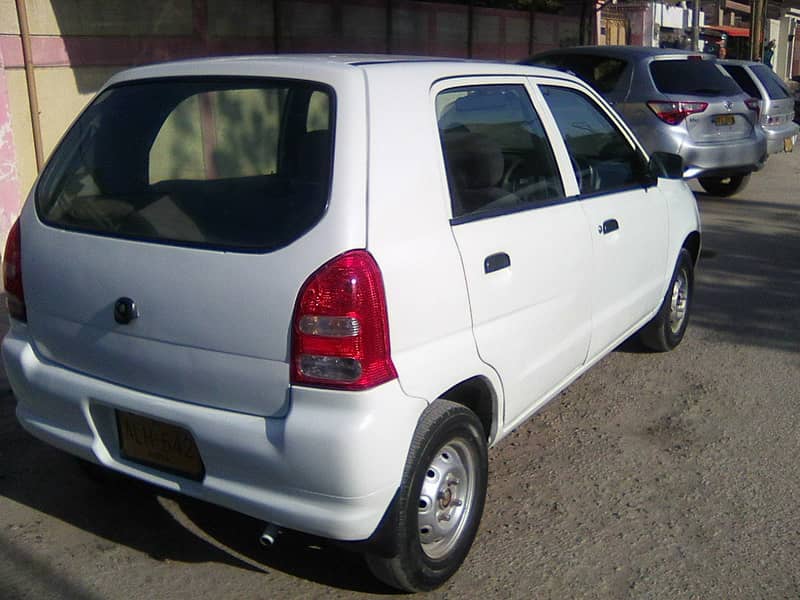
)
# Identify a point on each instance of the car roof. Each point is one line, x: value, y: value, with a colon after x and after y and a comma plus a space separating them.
x: 313, y: 66
x: 626, y: 52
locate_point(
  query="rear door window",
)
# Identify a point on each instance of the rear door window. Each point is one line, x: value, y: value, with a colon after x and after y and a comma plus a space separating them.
x: 230, y: 163
x: 497, y: 154
x: 771, y: 82
x: 743, y: 79
x: 692, y: 77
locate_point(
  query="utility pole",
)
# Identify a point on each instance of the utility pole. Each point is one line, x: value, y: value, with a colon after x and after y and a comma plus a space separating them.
x: 696, y: 25
x: 758, y: 10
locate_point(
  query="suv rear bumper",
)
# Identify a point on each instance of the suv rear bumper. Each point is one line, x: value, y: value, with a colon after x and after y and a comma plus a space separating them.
x: 776, y: 136
x: 738, y: 157
x: 330, y: 467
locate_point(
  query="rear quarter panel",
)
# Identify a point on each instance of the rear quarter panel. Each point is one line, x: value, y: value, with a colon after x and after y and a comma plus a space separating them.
x: 408, y: 232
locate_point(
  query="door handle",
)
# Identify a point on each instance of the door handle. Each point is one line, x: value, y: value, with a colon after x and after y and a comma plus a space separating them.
x: 495, y: 262
x: 608, y: 226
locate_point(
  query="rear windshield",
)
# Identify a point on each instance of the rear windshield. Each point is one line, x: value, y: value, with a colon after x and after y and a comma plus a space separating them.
x: 771, y: 82
x: 692, y: 77
x: 744, y: 80
x: 601, y: 72
x: 230, y: 163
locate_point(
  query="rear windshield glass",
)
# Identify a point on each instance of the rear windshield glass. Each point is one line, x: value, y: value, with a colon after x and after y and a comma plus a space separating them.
x: 231, y: 163
x: 601, y: 72
x: 771, y: 82
x: 692, y: 77
x: 744, y: 80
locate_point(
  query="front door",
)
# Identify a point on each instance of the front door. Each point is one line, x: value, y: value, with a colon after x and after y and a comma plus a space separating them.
x: 626, y: 215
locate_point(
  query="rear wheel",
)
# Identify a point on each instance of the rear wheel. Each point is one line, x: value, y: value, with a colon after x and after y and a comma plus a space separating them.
x: 440, y: 502
x: 724, y: 186
x: 667, y: 328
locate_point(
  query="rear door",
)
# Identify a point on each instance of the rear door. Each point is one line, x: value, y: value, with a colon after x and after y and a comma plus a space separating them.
x: 524, y: 245
x: 199, y: 200
x: 626, y: 216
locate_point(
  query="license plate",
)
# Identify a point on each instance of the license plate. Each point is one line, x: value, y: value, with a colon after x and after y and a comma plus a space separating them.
x: 788, y: 144
x: 724, y: 120
x: 159, y: 445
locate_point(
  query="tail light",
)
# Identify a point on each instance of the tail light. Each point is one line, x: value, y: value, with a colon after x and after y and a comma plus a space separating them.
x: 754, y: 105
x: 674, y: 113
x: 340, y: 328
x: 12, y: 275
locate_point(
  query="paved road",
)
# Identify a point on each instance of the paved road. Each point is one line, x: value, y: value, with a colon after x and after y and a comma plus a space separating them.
x: 653, y: 476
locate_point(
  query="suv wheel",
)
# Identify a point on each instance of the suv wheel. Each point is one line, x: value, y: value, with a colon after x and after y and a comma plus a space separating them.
x: 440, y: 502
x: 724, y: 186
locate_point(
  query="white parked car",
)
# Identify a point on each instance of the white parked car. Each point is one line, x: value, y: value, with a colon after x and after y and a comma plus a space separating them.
x: 316, y: 289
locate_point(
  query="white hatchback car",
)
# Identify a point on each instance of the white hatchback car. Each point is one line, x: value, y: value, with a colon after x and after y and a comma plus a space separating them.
x: 316, y: 289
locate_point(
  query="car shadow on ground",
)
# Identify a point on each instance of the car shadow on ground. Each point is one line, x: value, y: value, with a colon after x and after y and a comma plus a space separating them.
x: 748, y: 279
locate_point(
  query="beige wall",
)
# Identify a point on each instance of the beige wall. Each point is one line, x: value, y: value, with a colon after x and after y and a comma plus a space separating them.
x: 8, y: 17
x: 21, y: 128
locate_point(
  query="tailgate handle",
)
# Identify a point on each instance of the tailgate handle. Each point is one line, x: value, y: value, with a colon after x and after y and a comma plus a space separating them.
x: 495, y: 262
x: 609, y: 226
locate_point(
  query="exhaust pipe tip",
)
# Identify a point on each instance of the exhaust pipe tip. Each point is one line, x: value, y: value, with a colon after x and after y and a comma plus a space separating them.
x: 269, y: 536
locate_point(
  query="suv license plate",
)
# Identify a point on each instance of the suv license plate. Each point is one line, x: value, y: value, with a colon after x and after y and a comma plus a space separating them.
x: 724, y: 120
x: 158, y: 444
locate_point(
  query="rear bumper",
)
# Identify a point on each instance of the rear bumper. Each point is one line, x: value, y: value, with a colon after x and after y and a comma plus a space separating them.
x: 330, y: 467
x: 776, y: 137
x: 739, y: 157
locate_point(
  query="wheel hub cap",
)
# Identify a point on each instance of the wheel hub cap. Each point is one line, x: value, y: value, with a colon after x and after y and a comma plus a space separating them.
x: 446, y: 498
x: 679, y: 301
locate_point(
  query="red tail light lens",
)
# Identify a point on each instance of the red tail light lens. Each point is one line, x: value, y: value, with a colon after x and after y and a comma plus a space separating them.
x: 754, y: 105
x: 674, y: 113
x: 340, y: 328
x: 12, y: 275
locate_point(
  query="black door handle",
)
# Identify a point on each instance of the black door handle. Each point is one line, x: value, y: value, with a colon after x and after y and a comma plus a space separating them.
x: 609, y: 226
x: 495, y: 262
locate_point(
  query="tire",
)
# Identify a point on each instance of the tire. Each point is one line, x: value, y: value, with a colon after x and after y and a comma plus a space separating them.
x: 724, y: 186
x: 667, y: 328
x: 440, y: 502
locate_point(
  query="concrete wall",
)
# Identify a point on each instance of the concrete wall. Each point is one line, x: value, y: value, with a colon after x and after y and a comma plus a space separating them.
x: 78, y: 44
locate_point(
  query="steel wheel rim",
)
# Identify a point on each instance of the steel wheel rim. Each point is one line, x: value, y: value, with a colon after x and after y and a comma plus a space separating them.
x: 679, y: 301
x: 446, y: 498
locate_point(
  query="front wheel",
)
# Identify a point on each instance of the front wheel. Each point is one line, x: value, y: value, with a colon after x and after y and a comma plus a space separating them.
x: 724, y: 186
x: 667, y: 328
x: 440, y: 502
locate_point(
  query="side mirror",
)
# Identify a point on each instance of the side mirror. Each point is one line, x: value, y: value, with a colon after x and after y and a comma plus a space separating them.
x: 665, y: 165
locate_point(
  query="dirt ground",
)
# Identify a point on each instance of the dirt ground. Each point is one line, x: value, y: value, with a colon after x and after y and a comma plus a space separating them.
x: 654, y: 476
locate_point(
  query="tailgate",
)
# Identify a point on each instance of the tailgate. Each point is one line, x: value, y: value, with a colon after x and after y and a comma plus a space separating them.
x: 206, y: 202
x: 724, y: 119
x: 213, y: 327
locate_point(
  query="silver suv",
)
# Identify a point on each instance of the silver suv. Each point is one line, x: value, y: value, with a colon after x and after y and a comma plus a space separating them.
x: 676, y: 101
x: 777, y: 103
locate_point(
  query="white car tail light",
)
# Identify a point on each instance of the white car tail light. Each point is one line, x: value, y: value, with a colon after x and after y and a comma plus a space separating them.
x: 340, y: 329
